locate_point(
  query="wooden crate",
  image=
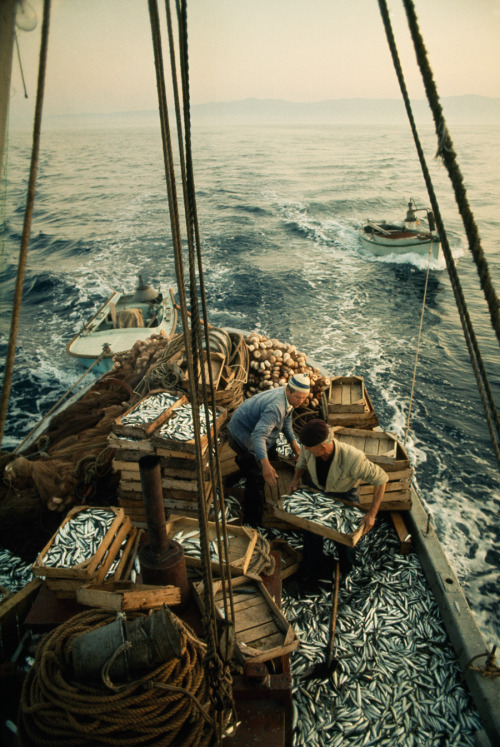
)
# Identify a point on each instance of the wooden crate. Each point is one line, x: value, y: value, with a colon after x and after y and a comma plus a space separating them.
x: 227, y: 459
x: 144, y: 430
x: 126, y: 596
x: 241, y: 542
x: 66, y: 587
x: 349, y: 403
x: 88, y: 568
x: 133, y: 506
x: 127, y: 449
x: 380, y: 447
x: 262, y: 632
x: 293, y: 521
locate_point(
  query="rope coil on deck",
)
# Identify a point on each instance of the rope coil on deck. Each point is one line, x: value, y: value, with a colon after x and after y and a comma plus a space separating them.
x: 262, y: 561
x: 165, y: 706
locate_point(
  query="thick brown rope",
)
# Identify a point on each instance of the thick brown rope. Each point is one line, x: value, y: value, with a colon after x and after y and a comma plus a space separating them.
x: 447, y: 154
x: 484, y: 388
x: 217, y: 669
x: 262, y: 561
x: 56, y: 709
x: 28, y: 217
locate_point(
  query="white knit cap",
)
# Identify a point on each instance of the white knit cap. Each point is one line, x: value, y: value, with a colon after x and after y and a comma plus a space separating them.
x: 299, y: 383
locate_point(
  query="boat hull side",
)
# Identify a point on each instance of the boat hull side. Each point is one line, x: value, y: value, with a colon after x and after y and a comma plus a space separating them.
x: 465, y: 636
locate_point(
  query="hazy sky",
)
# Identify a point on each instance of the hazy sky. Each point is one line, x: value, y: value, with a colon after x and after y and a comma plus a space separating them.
x: 100, y: 52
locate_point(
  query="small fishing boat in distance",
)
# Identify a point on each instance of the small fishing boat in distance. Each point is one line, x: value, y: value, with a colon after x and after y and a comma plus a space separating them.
x: 121, y: 321
x: 412, y: 235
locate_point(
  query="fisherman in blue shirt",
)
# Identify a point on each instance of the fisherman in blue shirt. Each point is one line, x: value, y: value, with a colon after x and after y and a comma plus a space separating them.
x: 252, y: 433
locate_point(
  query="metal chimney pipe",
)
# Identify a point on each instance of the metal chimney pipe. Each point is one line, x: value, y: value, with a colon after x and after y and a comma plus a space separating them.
x: 150, y: 471
x: 162, y: 560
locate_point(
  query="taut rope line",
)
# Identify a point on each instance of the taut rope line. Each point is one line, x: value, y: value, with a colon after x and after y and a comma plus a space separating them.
x: 217, y: 670
x: 418, y: 345
x: 485, y: 393
x: 28, y: 217
x: 448, y: 155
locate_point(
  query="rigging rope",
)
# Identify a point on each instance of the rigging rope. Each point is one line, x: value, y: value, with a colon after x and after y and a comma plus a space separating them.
x: 418, y: 345
x: 28, y: 216
x: 484, y: 388
x: 217, y: 663
x: 194, y: 244
x: 447, y: 153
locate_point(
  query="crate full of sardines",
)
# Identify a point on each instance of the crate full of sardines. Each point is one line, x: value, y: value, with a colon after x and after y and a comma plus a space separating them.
x: 321, y: 514
x: 148, y: 414
x: 241, y: 543
x: 87, y: 544
x: 178, y: 431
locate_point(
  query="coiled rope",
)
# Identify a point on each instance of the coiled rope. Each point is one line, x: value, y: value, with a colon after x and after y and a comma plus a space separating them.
x: 168, y: 706
x: 484, y: 388
x: 262, y: 561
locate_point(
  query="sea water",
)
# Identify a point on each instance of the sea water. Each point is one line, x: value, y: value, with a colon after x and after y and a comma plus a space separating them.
x: 278, y: 209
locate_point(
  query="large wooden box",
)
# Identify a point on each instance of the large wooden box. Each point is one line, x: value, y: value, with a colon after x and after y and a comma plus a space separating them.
x: 241, y: 542
x: 349, y: 403
x: 262, y: 631
x: 296, y: 521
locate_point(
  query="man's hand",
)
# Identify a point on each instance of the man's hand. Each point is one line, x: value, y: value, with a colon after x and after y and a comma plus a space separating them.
x: 268, y: 472
x: 367, y: 523
x: 296, y: 450
x: 297, y: 476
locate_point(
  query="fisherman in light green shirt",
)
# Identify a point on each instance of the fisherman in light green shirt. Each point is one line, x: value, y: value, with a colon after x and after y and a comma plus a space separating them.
x: 337, y: 469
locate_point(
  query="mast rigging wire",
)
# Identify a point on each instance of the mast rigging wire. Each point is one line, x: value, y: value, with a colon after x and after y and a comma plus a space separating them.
x: 484, y: 388
x: 217, y: 661
x: 28, y: 216
x: 448, y: 156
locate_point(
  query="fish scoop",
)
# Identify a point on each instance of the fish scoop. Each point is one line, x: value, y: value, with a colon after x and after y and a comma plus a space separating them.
x: 323, y: 669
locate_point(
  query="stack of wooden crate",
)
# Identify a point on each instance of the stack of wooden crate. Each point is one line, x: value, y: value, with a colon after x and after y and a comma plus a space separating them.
x: 131, y: 441
x: 385, y: 450
x: 114, y: 558
x: 348, y: 403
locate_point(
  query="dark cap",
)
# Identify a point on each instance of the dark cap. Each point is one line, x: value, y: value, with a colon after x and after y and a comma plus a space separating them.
x: 314, y: 433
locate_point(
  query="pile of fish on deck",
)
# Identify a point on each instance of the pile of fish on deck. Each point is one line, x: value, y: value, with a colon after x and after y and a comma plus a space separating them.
x: 398, y: 682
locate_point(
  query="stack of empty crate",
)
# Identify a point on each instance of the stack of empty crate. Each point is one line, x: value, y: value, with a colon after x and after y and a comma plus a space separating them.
x: 144, y: 430
x: 349, y: 409
x: 385, y: 450
x: 348, y: 403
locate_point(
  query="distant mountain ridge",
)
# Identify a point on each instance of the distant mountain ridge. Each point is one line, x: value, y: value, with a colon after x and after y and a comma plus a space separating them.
x: 467, y: 109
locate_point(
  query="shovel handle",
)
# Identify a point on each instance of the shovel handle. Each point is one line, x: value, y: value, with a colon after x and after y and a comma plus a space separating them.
x: 333, y: 618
